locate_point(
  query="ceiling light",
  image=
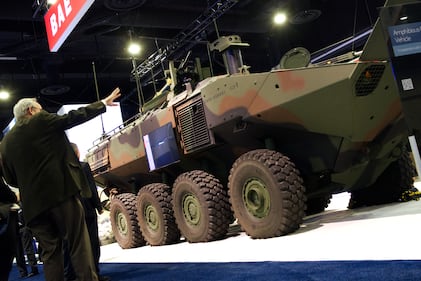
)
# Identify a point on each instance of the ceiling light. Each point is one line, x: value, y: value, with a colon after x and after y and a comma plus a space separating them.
x: 134, y: 49
x: 4, y: 95
x: 280, y: 18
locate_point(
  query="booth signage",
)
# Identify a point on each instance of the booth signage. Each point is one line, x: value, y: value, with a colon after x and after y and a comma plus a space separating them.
x: 62, y: 18
x: 405, y: 38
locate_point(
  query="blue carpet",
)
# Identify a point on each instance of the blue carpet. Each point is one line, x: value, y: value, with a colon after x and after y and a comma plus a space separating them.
x: 267, y: 271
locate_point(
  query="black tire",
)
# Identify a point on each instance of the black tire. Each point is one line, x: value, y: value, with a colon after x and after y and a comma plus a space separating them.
x: 266, y: 194
x: 124, y: 222
x: 155, y: 215
x: 317, y: 204
x: 201, y: 207
x: 389, y: 186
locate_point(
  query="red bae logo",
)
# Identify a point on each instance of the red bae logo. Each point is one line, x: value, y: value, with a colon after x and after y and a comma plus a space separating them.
x: 62, y: 18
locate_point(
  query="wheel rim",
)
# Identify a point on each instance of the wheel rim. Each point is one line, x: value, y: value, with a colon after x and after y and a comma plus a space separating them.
x: 256, y: 198
x: 191, y: 209
x: 121, y: 223
x: 151, y: 217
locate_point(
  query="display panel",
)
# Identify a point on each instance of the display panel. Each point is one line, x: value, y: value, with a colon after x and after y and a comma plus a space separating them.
x: 161, y: 147
x: 405, y: 38
x: 402, y: 32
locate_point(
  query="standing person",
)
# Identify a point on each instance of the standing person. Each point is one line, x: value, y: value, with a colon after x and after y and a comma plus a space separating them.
x: 38, y: 159
x: 8, y: 222
x: 20, y: 252
x: 28, y: 248
x: 91, y: 206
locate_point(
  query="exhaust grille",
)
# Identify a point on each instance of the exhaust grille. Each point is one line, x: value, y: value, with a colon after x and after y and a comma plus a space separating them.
x: 193, y: 127
x: 369, y: 79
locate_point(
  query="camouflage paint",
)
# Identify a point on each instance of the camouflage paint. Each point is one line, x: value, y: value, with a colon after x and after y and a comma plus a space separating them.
x: 298, y: 110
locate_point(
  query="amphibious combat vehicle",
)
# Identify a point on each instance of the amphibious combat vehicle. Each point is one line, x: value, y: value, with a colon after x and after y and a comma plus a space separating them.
x: 262, y: 148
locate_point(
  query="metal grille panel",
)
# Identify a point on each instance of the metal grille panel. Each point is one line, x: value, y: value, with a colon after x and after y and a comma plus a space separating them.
x: 193, y: 126
x: 369, y: 79
x: 99, y: 160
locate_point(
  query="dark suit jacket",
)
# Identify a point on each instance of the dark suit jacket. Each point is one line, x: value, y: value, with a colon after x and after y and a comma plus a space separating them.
x: 38, y: 159
x: 92, y: 203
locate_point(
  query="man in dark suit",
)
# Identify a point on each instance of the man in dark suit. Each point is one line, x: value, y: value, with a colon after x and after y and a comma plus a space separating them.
x: 91, y: 206
x: 38, y: 159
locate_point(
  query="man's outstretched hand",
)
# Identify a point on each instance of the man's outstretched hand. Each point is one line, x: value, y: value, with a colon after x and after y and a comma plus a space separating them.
x: 110, y: 99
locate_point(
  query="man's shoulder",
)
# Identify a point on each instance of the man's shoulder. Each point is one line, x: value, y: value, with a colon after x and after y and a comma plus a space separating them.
x: 17, y: 133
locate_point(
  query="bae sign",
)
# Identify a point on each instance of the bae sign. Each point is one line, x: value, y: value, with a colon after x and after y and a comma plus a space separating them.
x: 62, y: 18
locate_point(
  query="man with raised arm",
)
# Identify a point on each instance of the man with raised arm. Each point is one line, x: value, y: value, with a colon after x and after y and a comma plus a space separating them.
x: 38, y: 159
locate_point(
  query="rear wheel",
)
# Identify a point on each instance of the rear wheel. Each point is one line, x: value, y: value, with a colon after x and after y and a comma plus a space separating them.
x: 390, y: 185
x: 124, y: 222
x: 266, y: 194
x: 155, y: 215
x: 201, y: 207
x: 317, y: 204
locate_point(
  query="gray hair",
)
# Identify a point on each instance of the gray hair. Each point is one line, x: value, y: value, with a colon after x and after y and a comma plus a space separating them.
x: 19, y: 110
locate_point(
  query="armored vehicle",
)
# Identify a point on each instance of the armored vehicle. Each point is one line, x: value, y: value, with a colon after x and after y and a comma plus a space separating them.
x: 264, y: 149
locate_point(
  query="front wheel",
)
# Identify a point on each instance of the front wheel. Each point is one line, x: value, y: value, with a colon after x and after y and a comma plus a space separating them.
x: 266, y: 194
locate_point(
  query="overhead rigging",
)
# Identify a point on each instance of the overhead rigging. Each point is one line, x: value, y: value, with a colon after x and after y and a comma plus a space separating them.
x: 186, y: 38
